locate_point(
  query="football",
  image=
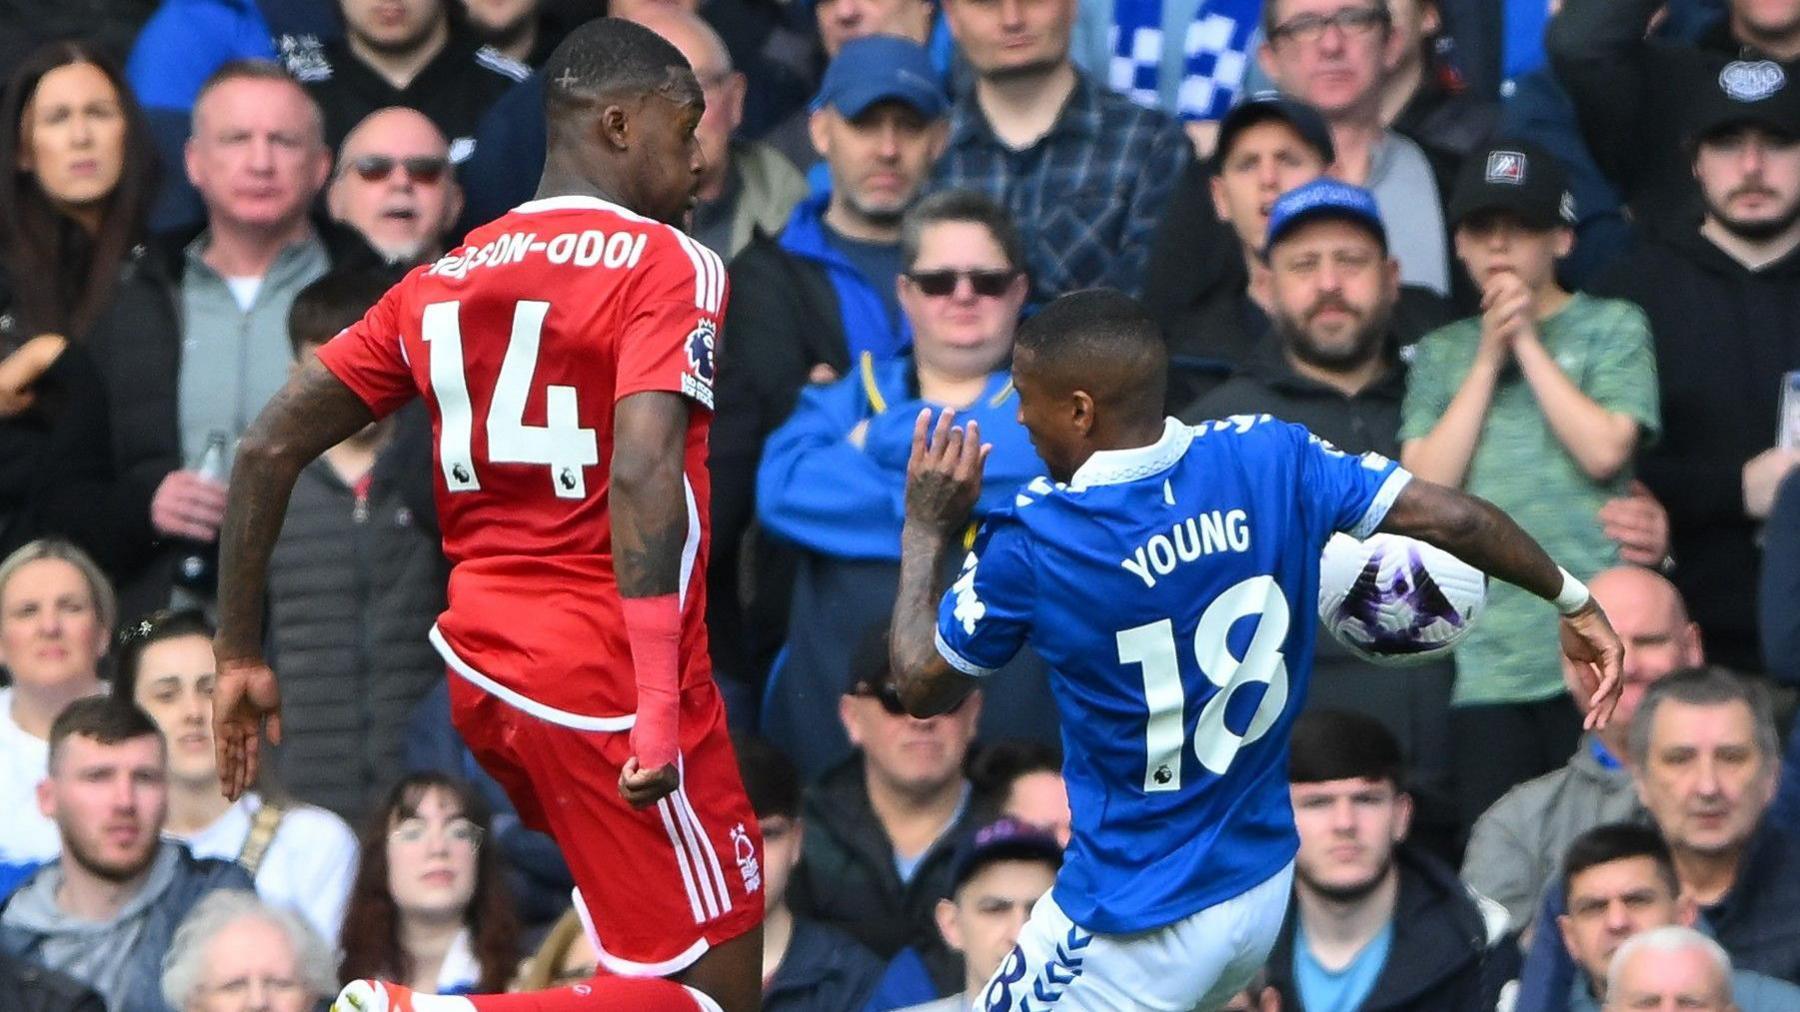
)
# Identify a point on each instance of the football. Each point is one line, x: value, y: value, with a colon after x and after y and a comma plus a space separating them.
x: 1396, y: 600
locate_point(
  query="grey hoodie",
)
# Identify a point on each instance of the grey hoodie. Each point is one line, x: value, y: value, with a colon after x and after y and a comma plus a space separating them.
x: 121, y: 958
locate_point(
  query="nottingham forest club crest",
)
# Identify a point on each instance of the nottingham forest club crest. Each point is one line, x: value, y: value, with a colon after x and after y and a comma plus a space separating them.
x: 697, y: 382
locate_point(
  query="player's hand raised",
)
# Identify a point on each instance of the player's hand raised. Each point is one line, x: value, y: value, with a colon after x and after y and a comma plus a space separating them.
x: 245, y: 701
x: 642, y: 788
x: 943, y: 478
x: 1597, y: 658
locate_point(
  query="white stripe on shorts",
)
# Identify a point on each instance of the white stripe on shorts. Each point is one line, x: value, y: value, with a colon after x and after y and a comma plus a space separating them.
x: 681, y: 859
x: 686, y: 808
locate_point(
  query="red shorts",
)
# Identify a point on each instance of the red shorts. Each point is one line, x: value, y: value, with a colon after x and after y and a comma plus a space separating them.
x: 658, y: 887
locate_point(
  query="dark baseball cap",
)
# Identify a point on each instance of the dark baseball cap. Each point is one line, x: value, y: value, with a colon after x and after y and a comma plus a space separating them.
x: 1273, y: 106
x: 1744, y: 93
x: 1518, y: 177
x: 1004, y: 839
x: 881, y: 68
x: 1323, y: 198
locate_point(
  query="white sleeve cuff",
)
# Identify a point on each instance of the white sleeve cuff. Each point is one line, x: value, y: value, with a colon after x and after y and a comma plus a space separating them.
x: 1384, y: 501
x: 956, y: 660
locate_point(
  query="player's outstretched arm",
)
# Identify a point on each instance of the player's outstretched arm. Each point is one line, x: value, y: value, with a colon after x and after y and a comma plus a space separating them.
x: 943, y: 481
x: 312, y: 413
x: 649, y: 527
x: 1480, y: 534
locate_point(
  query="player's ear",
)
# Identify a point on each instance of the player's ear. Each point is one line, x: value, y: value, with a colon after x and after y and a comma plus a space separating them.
x: 1403, y: 813
x: 1081, y: 411
x: 614, y: 127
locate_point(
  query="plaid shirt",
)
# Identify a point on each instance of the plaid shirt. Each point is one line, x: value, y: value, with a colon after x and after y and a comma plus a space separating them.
x: 1085, y: 196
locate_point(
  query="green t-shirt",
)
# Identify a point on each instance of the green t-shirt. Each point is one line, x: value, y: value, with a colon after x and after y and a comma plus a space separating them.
x: 1512, y: 655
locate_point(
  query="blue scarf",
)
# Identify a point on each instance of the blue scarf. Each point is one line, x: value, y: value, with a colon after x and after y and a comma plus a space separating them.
x: 1205, y: 65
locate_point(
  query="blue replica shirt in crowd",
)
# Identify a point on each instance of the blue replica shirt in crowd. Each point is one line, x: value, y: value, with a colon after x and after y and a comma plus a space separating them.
x: 1323, y: 990
x: 1171, y: 589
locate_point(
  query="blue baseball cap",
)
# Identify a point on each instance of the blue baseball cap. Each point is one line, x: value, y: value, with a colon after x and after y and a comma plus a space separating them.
x: 1323, y: 198
x: 881, y: 68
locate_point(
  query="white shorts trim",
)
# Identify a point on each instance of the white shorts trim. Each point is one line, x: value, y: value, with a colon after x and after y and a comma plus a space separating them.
x: 1198, y: 961
x: 564, y: 718
x: 629, y: 968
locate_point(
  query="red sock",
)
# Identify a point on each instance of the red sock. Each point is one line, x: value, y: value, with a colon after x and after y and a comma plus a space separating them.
x: 600, y: 994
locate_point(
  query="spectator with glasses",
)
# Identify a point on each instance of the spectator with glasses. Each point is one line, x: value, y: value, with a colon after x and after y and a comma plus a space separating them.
x: 233, y: 952
x: 883, y: 830
x: 1335, y: 55
x: 833, y: 477
x: 300, y: 856
x: 394, y: 187
x: 428, y: 907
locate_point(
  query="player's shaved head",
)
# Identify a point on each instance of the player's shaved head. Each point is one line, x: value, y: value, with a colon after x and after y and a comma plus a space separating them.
x: 621, y: 110
x: 1101, y: 341
x: 1091, y: 371
x: 611, y: 58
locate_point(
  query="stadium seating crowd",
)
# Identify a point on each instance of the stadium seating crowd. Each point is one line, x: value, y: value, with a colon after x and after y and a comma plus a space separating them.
x: 1565, y: 277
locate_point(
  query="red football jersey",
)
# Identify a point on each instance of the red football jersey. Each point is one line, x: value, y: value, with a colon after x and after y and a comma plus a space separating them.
x: 521, y: 341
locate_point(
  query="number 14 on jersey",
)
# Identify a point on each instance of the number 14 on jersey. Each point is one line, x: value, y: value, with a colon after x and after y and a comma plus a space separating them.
x: 561, y: 443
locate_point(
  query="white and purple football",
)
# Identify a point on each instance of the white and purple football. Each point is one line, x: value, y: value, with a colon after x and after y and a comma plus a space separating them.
x: 1392, y: 599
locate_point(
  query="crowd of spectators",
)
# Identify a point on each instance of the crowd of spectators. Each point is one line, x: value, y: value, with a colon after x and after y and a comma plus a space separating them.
x: 1546, y: 252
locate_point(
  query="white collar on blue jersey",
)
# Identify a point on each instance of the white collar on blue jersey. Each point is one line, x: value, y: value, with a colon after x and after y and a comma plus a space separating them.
x: 576, y: 202
x: 1116, y: 467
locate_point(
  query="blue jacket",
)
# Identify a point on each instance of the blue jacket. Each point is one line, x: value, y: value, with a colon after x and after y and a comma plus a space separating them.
x: 867, y: 325
x: 817, y: 490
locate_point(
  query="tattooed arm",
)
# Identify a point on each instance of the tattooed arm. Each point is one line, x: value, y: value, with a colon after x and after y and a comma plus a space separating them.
x: 943, y: 481
x: 648, y: 504
x: 1477, y: 532
x: 312, y: 413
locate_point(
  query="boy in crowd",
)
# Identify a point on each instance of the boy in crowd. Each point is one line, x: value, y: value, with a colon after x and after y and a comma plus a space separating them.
x: 1537, y: 405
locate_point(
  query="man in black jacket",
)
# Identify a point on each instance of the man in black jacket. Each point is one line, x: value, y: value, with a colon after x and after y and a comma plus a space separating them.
x: 1375, y: 925
x: 1723, y: 297
x: 1632, y: 93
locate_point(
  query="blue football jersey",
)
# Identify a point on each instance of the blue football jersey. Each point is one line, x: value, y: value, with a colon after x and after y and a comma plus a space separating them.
x: 1171, y: 589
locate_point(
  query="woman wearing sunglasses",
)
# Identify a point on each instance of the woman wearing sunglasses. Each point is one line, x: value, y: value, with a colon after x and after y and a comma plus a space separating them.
x: 832, y: 477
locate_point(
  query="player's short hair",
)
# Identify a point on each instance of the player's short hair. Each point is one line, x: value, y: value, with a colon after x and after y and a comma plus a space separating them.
x: 108, y: 720
x: 1705, y: 686
x: 1618, y: 841
x: 1330, y: 744
x: 770, y: 779
x: 324, y: 308
x: 613, y: 57
x: 1106, y: 341
x: 966, y: 206
x: 252, y: 69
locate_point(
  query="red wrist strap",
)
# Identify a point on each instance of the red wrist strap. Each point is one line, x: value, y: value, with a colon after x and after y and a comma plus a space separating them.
x: 653, y: 625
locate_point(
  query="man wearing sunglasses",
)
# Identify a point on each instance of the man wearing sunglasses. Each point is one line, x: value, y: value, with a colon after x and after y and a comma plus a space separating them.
x: 393, y: 184
x: 831, y: 479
